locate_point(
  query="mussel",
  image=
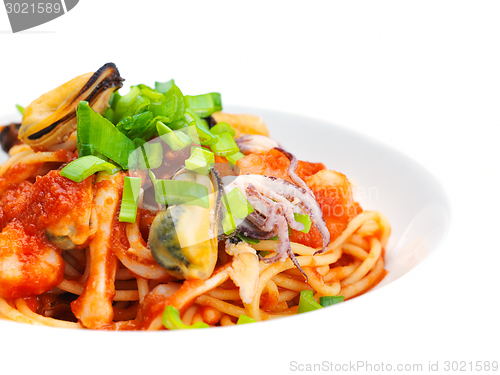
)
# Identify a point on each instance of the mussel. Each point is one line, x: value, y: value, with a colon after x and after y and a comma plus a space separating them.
x: 50, y: 119
x: 183, y: 238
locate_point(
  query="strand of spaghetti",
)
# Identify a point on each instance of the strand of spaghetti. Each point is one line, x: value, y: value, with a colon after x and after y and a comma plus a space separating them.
x: 12, y: 313
x: 323, y: 270
x: 226, y: 321
x: 368, y: 263
x: 94, y: 306
x: 128, y: 313
x: 75, y: 287
x: 13, y: 160
x: 386, y: 229
x: 317, y: 282
x: 291, y: 284
x: 339, y: 273
x: 16, y: 149
x: 354, y: 250
x: 23, y: 308
x: 375, y: 274
x: 211, y: 315
x: 137, y: 245
x: 188, y: 292
x: 280, y: 307
x: 353, y: 225
x: 79, y: 255
x: 124, y: 274
x: 142, y: 287
x: 236, y: 311
x: 187, y: 318
x: 297, y: 248
x: 272, y: 298
x: 225, y: 294
x: 287, y: 295
x: 71, y: 272
x: 357, y: 240
x: 44, y: 157
x: 368, y: 228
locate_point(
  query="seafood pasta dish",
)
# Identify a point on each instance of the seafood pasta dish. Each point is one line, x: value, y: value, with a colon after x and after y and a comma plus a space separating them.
x: 156, y: 210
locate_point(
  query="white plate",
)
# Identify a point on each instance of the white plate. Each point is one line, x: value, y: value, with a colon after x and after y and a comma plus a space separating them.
x: 383, y: 179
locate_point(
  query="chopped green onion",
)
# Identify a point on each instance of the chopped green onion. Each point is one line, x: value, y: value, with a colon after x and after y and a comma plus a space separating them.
x: 264, y: 253
x: 236, y: 204
x: 307, y: 302
x: 123, y: 103
x: 304, y: 219
x: 98, y: 136
x: 130, y: 199
x: 225, y: 145
x: 198, y: 130
x: 233, y: 158
x: 177, y: 140
x: 172, y: 320
x: 20, y: 108
x: 243, y: 319
x: 247, y: 239
x: 228, y: 224
x: 222, y: 127
x: 149, y: 155
x: 201, y: 161
x: 330, y: 300
x: 81, y: 168
x: 171, y: 192
x: 164, y: 87
x: 204, y: 105
x: 138, y: 126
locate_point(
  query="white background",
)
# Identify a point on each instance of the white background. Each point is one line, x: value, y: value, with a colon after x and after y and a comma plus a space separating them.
x: 421, y: 76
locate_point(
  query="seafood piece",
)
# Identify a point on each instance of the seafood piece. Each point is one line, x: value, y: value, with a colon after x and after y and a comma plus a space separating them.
x: 275, y: 201
x: 50, y: 119
x: 8, y: 136
x: 94, y: 306
x: 255, y: 143
x: 243, y: 124
x: 183, y: 239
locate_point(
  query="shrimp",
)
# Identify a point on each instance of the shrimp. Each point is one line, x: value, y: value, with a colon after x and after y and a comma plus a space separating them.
x: 29, y: 263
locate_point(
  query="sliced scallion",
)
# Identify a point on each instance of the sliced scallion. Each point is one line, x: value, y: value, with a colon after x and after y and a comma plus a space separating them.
x: 222, y: 127
x: 233, y: 158
x: 130, y: 199
x: 304, y: 219
x: 236, y: 204
x: 149, y: 156
x: 176, y: 139
x: 330, y: 300
x: 204, y: 105
x: 307, y: 302
x: 201, y: 161
x: 243, y: 319
x: 81, y: 168
x: 225, y: 145
x: 98, y: 136
x: 20, y: 108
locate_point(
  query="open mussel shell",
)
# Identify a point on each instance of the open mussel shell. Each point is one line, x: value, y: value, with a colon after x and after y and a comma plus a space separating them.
x: 183, y: 238
x: 50, y: 119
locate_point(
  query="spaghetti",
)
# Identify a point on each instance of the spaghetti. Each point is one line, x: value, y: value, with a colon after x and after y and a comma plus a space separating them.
x: 66, y: 259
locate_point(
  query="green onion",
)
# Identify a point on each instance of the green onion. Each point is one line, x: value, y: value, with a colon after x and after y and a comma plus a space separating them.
x: 222, y: 127
x: 264, y: 253
x: 130, y: 199
x: 307, y: 302
x: 172, y: 320
x: 122, y: 103
x: 225, y: 145
x: 243, y: 319
x: 97, y: 136
x: 170, y: 192
x: 304, y: 219
x: 247, y: 239
x: 138, y: 126
x: 330, y: 300
x: 149, y: 155
x: 204, y: 105
x: 81, y: 168
x: 20, y: 108
x: 198, y: 130
x: 228, y: 224
x: 164, y: 87
x: 233, y: 158
x: 236, y: 204
x: 201, y: 161
x: 177, y: 140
